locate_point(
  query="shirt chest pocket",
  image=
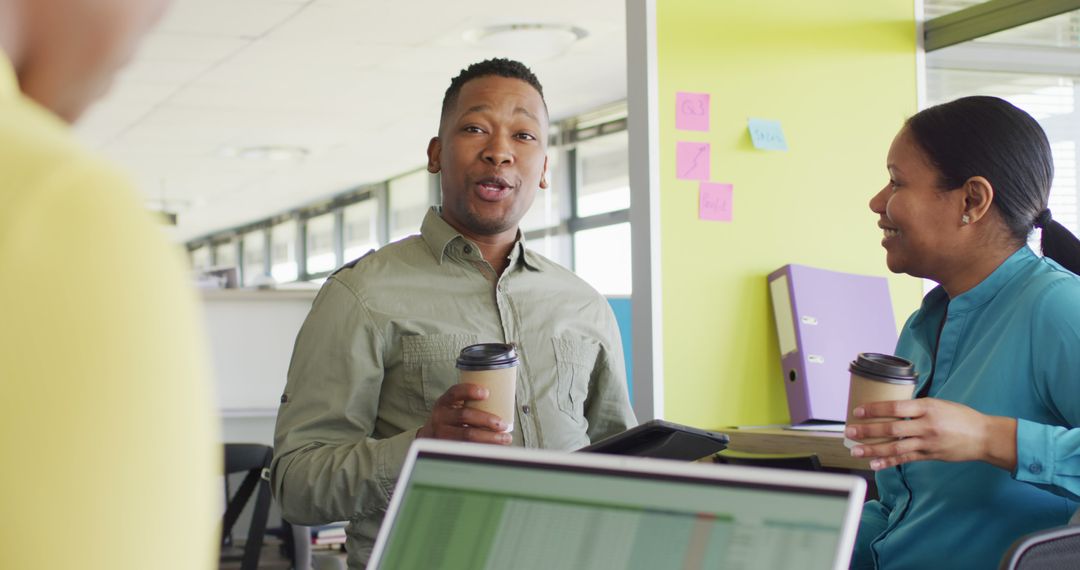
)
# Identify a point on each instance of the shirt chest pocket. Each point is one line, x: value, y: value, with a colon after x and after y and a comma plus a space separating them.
x: 431, y: 365
x: 574, y: 363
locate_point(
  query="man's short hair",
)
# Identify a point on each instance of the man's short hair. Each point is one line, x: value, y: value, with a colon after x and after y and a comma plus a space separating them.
x: 500, y: 67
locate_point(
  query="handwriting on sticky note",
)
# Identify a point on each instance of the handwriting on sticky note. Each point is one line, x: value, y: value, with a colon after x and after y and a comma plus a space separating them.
x: 714, y: 201
x: 692, y: 160
x: 691, y: 111
x: 767, y: 134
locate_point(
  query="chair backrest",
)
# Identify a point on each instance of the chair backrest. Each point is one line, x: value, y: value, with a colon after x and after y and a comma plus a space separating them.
x: 1049, y: 549
x: 800, y: 462
x: 254, y: 459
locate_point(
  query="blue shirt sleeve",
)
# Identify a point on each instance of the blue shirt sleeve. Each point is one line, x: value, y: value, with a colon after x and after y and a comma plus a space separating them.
x: 1048, y: 456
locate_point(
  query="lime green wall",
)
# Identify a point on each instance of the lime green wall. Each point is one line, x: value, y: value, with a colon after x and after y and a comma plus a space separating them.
x: 841, y: 77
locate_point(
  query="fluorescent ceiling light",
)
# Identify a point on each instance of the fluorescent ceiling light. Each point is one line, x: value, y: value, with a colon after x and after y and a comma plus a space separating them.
x: 534, y: 42
x: 280, y: 153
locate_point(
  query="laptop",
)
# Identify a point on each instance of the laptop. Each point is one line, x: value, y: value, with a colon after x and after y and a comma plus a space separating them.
x: 475, y: 507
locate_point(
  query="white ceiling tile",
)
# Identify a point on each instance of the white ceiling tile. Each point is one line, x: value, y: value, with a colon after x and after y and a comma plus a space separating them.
x: 101, y: 123
x: 229, y: 18
x: 174, y: 73
x: 166, y: 46
x: 356, y: 82
x: 131, y: 90
x: 341, y: 54
x: 400, y: 23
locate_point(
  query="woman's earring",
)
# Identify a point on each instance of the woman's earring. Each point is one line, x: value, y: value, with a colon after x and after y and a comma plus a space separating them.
x: 965, y: 219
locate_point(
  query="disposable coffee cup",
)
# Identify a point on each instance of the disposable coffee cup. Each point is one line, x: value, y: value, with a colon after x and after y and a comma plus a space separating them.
x: 493, y: 366
x: 878, y: 378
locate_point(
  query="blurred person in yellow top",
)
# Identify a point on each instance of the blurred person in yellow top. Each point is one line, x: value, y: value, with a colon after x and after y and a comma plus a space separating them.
x: 109, y: 456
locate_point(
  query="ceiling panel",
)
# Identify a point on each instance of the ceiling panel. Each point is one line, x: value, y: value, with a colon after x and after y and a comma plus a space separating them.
x: 230, y: 18
x: 357, y: 83
x: 413, y: 23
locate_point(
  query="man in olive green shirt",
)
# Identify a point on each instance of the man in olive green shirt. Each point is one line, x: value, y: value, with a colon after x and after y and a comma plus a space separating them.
x: 374, y: 364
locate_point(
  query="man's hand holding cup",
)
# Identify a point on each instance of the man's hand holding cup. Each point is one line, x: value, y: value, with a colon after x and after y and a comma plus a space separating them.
x: 480, y: 408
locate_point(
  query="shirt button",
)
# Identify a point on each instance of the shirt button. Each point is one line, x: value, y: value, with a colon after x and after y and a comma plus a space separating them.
x: 525, y: 409
x: 1035, y: 468
x: 468, y: 249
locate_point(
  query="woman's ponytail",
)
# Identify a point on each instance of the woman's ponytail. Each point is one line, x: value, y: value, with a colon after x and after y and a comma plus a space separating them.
x: 1058, y: 243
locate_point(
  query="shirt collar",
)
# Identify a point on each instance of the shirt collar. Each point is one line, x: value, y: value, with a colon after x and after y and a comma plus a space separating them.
x: 986, y: 290
x: 439, y: 236
x: 528, y: 257
x: 523, y: 255
x: 437, y: 233
x: 9, y: 85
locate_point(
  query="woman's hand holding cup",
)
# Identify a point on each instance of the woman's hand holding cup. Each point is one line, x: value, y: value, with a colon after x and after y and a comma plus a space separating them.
x: 934, y: 429
x: 877, y: 378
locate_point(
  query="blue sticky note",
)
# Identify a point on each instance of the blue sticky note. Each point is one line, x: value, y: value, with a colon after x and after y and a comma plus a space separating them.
x: 767, y: 135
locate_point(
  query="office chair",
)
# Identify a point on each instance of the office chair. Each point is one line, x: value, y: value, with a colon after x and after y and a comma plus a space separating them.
x: 799, y: 462
x: 255, y: 460
x: 1049, y: 549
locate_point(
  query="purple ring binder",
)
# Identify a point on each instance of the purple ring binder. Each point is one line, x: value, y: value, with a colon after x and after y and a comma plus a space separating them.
x: 824, y: 319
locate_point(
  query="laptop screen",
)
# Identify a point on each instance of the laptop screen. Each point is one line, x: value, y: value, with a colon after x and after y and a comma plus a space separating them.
x: 498, y: 512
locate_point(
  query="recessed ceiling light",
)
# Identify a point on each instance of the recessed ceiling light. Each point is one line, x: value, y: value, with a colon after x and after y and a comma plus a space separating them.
x: 533, y: 41
x: 280, y: 153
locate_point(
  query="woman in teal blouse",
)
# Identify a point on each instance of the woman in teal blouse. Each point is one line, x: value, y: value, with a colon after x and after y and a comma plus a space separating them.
x: 991, y: 447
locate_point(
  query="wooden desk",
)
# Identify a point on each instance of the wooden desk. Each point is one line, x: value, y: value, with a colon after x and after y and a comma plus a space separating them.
x: 829, y: 446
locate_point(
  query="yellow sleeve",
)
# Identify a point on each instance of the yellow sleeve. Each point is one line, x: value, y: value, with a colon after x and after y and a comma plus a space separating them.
x: 110, y: 450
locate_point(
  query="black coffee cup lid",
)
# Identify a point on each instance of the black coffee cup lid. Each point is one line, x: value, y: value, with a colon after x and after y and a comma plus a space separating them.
x: 884, y: 367
x: 488, y: 356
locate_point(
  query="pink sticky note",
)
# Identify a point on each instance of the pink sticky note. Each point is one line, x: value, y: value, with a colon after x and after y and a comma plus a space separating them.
x: 692, y: 161
x: 692, y: 111
x: 714, y: 202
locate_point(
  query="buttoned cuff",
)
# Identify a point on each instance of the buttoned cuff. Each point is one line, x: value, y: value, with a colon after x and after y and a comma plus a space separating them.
x: 1034, y: 452
x: 391, y: 455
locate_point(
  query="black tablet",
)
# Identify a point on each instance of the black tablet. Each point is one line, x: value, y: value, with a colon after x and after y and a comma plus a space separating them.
x: 661, y: 440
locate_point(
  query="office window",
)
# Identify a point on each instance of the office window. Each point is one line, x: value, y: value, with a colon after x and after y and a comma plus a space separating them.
x: 589, y: 173
x: 410, y: 198
x: 200, y: 257
x: 545, y: 210
x: 1052, y: 100
x: 359, y: 231
x: 553, y: 246
x: 320, y: 244
x: 602, y: 258
x: 603, y: 175
x: 542, y: 245
x: 225, y: 254
x: 1055, y: 31
x: 283, y: 266
x: 254, y: 251
x: 935, y: 8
